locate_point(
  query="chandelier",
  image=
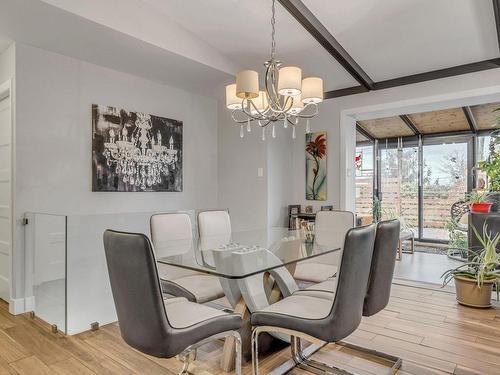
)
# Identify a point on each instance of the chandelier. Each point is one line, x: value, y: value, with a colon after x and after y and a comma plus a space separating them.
x: 140, y: 159
x: 287, y: 97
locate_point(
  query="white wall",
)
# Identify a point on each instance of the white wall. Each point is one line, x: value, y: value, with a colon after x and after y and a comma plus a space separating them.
x: 241, y: 189
x: 254, y: 201
x: 425, y: 96
x: 54, y: 97
x: 280, y: 170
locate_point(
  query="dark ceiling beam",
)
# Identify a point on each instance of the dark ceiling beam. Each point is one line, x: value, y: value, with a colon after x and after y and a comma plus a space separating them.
x: 345, y: 92
x: 364, y: 133
x: 437, y: 74
x: 417, y: 78
x: 408, y: 121
x: 470, y: 119
x: 496, y: 11
x: 307, y: 19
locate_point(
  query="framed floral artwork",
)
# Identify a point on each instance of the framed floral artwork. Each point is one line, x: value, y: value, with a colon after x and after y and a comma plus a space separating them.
x: 316, y: 166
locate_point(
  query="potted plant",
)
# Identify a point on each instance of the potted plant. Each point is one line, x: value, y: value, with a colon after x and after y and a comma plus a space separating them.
x: 477, y: 202
x: 474, y: 280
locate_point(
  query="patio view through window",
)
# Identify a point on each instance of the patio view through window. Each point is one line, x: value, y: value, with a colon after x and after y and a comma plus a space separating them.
x: 444, y: 182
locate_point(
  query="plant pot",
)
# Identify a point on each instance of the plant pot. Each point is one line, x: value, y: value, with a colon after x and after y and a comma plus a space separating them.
x: 482, y: 207
x: 469, y: 294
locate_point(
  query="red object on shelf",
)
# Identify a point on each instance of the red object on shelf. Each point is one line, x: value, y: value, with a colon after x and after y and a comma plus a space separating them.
x: 481, y: 208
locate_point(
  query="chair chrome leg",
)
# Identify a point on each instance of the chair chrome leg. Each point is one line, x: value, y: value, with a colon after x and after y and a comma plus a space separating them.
x: 190, y: 352
x: 237, y: 340
x: 397, y: 362
x: 255, y: 351
x: 303, y: 362
x: 301, y: 357
x: 185, y: 364
x: 327, y: 368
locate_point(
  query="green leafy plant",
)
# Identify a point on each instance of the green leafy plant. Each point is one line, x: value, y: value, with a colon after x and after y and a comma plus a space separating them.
x: 492, y: 166
x: 483, y: 265
x: 457, y: 238
x: 476, y: 196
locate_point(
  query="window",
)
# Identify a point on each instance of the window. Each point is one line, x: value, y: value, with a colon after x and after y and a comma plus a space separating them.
x: 364, y: 163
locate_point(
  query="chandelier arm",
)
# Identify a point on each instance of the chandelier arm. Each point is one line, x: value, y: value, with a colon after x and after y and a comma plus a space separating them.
x: 251, y: 118
x: 250, y: 114
x: 273, y: 96
x: 264, y: 125
x: 287, y: 105
x: 311, y: 115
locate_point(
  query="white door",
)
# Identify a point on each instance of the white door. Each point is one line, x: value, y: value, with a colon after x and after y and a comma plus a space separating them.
x: 5, y: 198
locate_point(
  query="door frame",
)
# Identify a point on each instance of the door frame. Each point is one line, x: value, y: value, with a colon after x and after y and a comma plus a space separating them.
x: 6, y: 92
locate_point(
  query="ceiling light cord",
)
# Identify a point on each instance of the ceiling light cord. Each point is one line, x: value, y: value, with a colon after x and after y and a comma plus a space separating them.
x: 273, y: 29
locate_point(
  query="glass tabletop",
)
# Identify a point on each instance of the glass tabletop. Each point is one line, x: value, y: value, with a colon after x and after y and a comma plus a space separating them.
x: 242, y: 254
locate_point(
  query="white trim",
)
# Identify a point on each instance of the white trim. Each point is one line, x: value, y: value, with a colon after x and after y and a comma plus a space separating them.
x: 348, y: 117
x: 346, y: 170
x: 6, y: 92
x: 17, y: 306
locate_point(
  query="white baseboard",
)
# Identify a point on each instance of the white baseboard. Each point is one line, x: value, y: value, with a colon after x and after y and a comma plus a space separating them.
x: 17, y: 306
x: 21, y: 305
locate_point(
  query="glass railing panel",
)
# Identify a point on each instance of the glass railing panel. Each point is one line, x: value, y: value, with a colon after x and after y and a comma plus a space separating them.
x: 89, y: 293
x: 45, y: 246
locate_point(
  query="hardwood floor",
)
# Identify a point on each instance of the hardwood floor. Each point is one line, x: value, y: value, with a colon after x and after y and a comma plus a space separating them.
x: 425, y: 327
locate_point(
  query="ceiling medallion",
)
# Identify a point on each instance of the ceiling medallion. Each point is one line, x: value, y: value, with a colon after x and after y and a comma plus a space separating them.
x: 287, y: 97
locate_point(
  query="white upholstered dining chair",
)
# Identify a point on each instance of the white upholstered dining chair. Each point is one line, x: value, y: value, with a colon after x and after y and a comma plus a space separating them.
x: 172, y: 236
x: 214, y: 229
x: 329, y: 230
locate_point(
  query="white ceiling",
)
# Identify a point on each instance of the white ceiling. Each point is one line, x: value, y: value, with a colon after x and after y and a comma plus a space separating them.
x: 41, y: 25
x: 241, y: 30
x: 393, y: 38
x: 199, y: 44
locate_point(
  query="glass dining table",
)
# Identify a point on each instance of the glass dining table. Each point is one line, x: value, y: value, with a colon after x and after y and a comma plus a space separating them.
x: 252, y: 266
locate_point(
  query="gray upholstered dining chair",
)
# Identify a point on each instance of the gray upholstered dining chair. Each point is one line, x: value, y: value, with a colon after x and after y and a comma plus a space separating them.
x: 329, y: 230
x: 379, y: 284
x: 172, y: 236
x: 318, y: 319
x: 150, y: 324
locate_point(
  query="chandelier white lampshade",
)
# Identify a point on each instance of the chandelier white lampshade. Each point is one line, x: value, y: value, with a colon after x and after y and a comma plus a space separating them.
x: 297, y: 105
x: 312, y: 90
x: 247, y: 84
x: 290, y: 81
x: 260, y: 102
x: 232, y: 101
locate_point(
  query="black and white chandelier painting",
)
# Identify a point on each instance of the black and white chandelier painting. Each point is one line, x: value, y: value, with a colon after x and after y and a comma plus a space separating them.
x: 133, y: 151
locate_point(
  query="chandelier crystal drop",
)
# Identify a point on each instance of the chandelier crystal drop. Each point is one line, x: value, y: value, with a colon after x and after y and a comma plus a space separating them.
x: 140, y: 159
x: 287, y: 96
